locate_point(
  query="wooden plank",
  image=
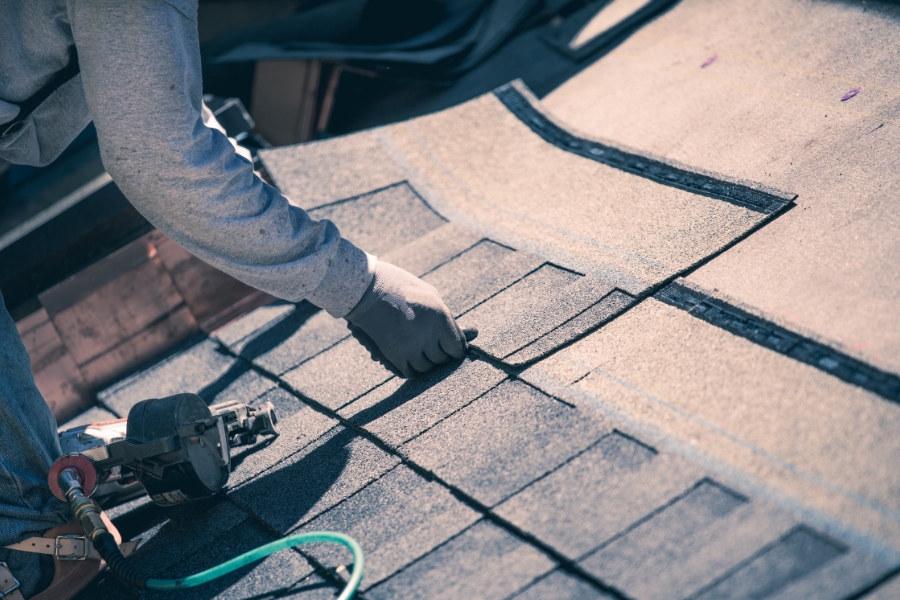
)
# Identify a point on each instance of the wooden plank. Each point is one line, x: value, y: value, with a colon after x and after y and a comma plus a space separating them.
x: 112, y: 301
x: 150, y: 341
x: 213, y: 297
x: 56, y: 375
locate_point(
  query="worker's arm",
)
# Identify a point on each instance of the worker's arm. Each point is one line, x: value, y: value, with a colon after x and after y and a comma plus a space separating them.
x: 140, y: 66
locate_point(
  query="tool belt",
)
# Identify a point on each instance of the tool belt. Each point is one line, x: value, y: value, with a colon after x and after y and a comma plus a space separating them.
x: 67, y: 547
x: 62, y: 547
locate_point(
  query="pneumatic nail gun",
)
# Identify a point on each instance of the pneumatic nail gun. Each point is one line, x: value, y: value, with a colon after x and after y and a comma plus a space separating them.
x: 174, y: 449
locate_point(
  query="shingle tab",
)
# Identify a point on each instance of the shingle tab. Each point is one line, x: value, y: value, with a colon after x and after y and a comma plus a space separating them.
x: 263, y: 580
x: 401, y: 409
x: 604, y: 310
x: 170, y: 534
x: 338, y: 375
x: 235, y: 334
x: 561, y: 586
x: 312, y: 588
x: 598, y: 494
x: 503, y: 441
x: 94, y: 414
x: 322, y: 172
x: 381, y: 220
x: 313, y: 480
x: 293, y: 339
x: 203, y: 368
x: 798, y: 554
x: 688, y: 543
x: 842, y: 577
x: 478, y: 273
x: 298, y: 426
x: 432, y: 249
x: 484, y: 562
x: 396, y: 520
x: 531, y: 308
x: 190, y: 368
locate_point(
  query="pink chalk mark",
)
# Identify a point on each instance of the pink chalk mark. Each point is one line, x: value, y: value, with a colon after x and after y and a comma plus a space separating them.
x: 851, y: 93
x: 709, y: 61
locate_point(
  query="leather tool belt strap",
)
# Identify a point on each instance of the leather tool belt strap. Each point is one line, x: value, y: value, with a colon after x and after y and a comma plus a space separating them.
x: 9, y: 585
x: 59, y: 79
x: 67, y: 547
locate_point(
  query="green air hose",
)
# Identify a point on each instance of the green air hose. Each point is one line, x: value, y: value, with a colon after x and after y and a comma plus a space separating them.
x: 314, y: 537
x: 89, y: 516
x: 107, y: 548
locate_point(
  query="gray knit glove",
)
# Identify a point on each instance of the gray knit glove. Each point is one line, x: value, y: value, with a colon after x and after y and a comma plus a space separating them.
x: 404, y: 324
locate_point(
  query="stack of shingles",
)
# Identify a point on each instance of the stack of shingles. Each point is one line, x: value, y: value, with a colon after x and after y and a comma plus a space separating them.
x: 114, y: 315
x: 470, y: 482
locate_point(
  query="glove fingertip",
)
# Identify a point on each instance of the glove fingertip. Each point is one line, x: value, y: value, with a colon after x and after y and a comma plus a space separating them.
x: 456, y: 347
x: 390, y: 367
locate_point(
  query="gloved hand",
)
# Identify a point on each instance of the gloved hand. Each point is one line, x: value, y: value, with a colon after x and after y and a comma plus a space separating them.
x: 404, y: 324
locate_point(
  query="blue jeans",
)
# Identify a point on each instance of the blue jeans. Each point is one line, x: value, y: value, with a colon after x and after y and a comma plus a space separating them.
x: 28, y: 446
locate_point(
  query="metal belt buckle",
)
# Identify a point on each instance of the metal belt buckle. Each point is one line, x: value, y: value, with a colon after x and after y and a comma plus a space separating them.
x: 70, y: 537
x: 15, y: 586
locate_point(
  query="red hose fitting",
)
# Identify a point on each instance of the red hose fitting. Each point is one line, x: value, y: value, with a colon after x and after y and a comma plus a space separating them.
x: 81, y: 465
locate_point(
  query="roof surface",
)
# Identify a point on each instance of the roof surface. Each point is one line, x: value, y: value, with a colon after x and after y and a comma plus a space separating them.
x: 685, y: 381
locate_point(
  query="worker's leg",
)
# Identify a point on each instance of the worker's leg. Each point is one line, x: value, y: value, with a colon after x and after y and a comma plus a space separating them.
x: 28, y: 446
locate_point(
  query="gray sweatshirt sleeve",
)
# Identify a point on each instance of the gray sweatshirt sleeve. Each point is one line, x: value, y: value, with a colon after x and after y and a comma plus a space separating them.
x: 140, y: 65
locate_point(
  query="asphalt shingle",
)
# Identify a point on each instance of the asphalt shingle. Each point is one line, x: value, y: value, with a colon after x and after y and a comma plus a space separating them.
x: 798, y: 554
x: 396, y: 520
x: 203, y: 368
x: 171, y: 534
x: 298, y: 426
x: 503, y: 174
x: 235, y: 334
x: 802, y: 563
x: 432, y: 249
x: 401, y: 409
x: 191, y: 367
x: 293, y: 339
x: 319, y: 173
x: 531, y: 308
x: 382, y: 220
x: 503, y: 441
x: 601, y: 312
x: 788, y: 270
x: 313, y: 480
x: 598, y: 494
x: 688, y: 544
x: 338, y: 376
x: 562, y: 586
x: 312, y: 588
x: 94, y: 414
x: 759, y: 411
x: 266, y: 579
x: 483, y: 562
x: 479, y: 273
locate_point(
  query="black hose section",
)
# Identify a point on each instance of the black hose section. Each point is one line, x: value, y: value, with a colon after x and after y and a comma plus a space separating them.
x: 106, y: 547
